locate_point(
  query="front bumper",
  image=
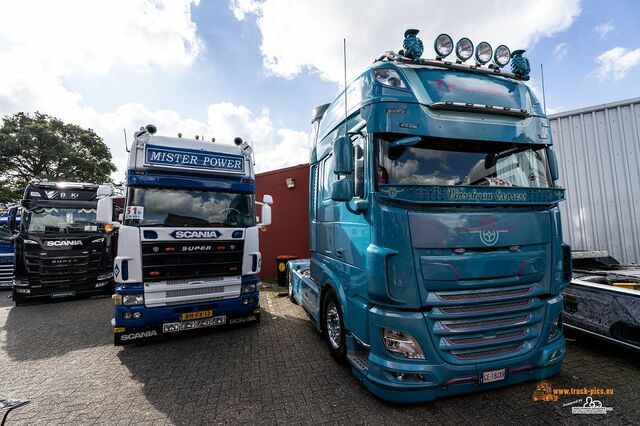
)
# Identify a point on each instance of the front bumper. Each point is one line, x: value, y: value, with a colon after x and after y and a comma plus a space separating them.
x: 445, y: 380
x: 67, y: 290
x: 245, y: 308
x: 398, y: 379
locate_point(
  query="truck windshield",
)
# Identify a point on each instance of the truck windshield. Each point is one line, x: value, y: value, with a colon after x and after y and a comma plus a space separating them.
x: 185, y: 207
x: 59, y: 220
x: 455, y: 162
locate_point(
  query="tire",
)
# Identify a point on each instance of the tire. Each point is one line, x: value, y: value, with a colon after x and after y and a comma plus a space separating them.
x: 333, y: 326
x: 17, y: 299
x: 290, y: 287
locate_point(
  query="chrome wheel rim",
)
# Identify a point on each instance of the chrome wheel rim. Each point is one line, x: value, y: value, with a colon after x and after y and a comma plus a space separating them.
x: 290, y: 286
x: 333, y: 325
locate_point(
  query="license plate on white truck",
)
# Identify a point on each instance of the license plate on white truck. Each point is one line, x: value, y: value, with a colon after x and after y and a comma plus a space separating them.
x: 493, y: 375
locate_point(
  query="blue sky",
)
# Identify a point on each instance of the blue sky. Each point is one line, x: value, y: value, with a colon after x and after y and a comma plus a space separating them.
x: 257, y: 68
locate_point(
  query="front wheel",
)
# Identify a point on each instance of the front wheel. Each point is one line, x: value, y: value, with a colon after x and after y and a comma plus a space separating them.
x: 17, y: 299
x: 334, y: 331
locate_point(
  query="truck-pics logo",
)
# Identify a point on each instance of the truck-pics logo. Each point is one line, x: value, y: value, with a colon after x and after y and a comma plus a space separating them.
x: 63, y: 243
x: 195, y: 234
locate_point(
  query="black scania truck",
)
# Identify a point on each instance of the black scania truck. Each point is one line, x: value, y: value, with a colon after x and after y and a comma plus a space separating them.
x: 60, y: 248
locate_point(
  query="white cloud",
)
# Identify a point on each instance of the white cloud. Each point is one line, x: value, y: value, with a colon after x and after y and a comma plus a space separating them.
x: 560, y: 50
x: 80, y: 36
x: 42, y: 44
x: 296, y: 36
x: 604, y: 29
x: 616, y: 63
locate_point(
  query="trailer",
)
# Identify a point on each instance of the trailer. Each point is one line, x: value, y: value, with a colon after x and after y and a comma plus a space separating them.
x: 603, y: 299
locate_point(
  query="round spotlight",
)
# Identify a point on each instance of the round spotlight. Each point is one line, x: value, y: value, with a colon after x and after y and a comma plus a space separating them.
x: 151, y: 129
x: 483, y: 53
x: 502, y: 56
x: 237, y: 140
x: 464, y: 49
x: 443, y: 45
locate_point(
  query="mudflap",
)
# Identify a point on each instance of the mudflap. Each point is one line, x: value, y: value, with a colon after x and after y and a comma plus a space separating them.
x: 125, y: 336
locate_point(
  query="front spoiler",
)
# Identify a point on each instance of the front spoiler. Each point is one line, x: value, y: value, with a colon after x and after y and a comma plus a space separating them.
x: 461, y: 379
x: 128, y: 335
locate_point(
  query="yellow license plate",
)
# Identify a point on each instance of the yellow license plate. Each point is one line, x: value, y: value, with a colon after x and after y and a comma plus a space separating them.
x: 197, y: 315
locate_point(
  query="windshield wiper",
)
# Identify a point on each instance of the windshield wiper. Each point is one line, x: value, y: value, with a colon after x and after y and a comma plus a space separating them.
x: 480, y: 108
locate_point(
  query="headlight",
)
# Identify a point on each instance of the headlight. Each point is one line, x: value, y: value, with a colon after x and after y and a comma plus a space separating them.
x: 443, y: 45
x: 248, y: 288
x: 30, y: 242
x: 464, y: 49
x: 483, y: 53
x: 388, y: 77
x: 556, y: 327
x: 132, y: 299
x: 20, y: 283
x: 402, y: 344
x: 502, y: 56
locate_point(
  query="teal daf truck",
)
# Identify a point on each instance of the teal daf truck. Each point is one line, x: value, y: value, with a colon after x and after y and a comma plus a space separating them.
x: 437, y: 258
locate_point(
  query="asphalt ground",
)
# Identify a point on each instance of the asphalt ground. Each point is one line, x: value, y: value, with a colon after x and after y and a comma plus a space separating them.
x: 60, y: 355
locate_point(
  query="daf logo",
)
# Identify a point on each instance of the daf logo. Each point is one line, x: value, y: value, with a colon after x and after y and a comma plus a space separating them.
x: 195, y: 234
x: 140, y: 335
x: 489, y: 236
x: 196, y: 248
x: 64, y: 243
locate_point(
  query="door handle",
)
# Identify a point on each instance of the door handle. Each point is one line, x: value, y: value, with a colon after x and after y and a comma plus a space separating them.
x: 339, y: 252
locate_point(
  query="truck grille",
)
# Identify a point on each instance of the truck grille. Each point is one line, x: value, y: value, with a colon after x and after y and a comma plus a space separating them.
x: 74, y: 268
x: 480, y: 327
x: 6, y: 274
x: 185, y: 261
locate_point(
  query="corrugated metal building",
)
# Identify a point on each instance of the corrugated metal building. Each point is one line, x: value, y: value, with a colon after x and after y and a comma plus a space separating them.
x: 598, y: 150
x: 289, y: 230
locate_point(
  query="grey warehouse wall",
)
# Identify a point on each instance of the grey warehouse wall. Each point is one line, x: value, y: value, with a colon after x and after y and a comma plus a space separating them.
x: 598, y: 150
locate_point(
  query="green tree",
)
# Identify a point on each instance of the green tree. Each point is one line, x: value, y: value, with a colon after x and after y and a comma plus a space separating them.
x: 44, y: 147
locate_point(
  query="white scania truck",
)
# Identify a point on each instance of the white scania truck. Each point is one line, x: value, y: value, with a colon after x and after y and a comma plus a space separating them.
x: 188, y: 253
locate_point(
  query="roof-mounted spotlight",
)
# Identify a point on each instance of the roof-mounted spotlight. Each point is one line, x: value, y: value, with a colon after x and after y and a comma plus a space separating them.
x: 483, y: 53
x: 443, y: 45
x: 502, y: 56
x: 151, y: 129
x: 464, y: 49
x: 237, y: 140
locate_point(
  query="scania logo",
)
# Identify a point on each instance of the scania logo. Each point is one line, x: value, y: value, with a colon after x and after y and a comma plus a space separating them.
x: 195, y: 234
x: 196, y: 248
x: 140, y: 335
x: 63, y: 243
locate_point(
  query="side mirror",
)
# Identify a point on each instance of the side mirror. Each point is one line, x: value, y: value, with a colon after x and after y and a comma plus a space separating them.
x: 267, y: 199
x: 266, y: 215
x: 553, y: 164
x: 105, y: 210
x: 342, y: 155
x: 104, y: 191
x: 342, y: 190
x: 11, y: 220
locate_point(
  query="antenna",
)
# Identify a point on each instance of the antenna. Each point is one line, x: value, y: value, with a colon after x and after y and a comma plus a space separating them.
x: 126, y: 144
x: 344, y: 56
x: 544, y: 99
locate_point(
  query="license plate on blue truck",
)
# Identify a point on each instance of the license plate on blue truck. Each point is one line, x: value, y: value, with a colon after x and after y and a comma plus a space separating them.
x: 493, y: 375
